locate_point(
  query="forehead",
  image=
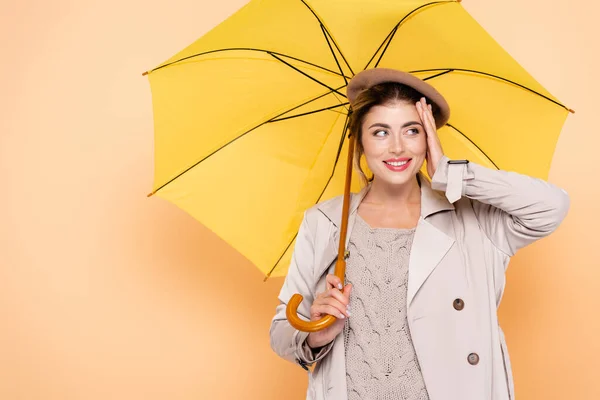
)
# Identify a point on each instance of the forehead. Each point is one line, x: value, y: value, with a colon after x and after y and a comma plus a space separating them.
x: 392, y: 113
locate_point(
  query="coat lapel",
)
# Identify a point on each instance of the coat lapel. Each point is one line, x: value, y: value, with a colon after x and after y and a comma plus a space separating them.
x: 333, y: 210
x: 430, y: 243
x: 429, y: 246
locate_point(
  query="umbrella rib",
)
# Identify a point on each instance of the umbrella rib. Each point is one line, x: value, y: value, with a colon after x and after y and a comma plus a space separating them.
x: 330, y: 35
x: 308, y: 76
x: 436, y: 75
x: 490, y: 75
x: 390, y: 35
x: 339, y: 152
x: 327, y: 37
x: 318, y: 199
x: 473, y: 143
x: 243, y: 134
x: 386, y: 41
x: 246, y: 49
x: 280, y: 257
x: 309, y: 112
x: 333, y: 53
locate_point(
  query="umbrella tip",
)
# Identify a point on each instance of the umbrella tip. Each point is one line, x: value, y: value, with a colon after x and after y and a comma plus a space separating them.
x: 571, y: 111
x: 145, y: 73
x: 150, y: 194
x: 267, y: 277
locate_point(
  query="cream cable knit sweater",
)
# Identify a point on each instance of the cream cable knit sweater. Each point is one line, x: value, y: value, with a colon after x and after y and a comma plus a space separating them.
x: 380, y: 358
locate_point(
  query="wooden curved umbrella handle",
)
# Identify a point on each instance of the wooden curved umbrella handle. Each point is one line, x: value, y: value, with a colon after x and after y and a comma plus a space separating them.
x: 291, y: 311
x: 305, y: 326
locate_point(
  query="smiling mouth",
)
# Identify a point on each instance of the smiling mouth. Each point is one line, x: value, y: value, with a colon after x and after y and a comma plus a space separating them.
x: 397, y: 163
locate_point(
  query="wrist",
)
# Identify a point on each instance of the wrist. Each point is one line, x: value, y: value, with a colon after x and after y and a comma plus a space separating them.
x: 434, y: 163
x: 313, y: 346
x: 437, y: 160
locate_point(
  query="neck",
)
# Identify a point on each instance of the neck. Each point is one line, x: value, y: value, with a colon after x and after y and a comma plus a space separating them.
x: 385, y: 195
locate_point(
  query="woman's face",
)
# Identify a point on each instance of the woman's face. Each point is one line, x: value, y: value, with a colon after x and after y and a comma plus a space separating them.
x: 391, y: 134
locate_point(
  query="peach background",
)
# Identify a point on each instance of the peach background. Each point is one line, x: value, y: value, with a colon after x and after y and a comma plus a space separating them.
x: 105, y: 294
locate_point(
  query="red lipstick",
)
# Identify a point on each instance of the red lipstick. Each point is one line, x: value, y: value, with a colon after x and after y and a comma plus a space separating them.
x: 397, y: 168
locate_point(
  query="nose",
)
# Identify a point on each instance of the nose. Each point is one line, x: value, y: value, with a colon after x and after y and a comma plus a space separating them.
x: 396, y: 144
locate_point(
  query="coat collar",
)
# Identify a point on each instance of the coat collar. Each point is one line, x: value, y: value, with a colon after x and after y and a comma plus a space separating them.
x: 431, y: 202
x: 430, y: 243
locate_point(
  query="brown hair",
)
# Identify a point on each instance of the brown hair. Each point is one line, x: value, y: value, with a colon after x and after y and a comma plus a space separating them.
x: 381, y: 94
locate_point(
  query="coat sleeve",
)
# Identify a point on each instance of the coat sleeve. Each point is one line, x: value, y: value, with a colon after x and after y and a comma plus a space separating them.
x: 512, y: 209
x: 287, y: 341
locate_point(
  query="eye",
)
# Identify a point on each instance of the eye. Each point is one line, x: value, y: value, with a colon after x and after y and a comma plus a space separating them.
x: 376, y: 132
x: 416, y: 131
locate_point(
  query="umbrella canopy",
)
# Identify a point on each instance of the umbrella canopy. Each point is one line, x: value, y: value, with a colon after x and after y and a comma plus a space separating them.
x: 250, y: 119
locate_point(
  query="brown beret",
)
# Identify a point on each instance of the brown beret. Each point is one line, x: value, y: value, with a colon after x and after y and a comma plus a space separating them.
x: 370, y: 77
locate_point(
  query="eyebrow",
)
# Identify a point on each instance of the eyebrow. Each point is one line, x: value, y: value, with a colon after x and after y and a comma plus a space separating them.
x: 389, y: 127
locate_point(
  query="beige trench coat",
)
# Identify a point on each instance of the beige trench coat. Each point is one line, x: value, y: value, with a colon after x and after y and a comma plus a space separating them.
x: 460, y: 251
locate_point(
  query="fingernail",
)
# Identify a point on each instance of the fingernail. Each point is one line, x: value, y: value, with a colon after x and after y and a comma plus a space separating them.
x: 342, y: 316
x: 340, y: 286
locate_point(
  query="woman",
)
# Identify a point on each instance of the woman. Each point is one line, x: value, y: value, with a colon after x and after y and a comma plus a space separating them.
x: 416, y: 317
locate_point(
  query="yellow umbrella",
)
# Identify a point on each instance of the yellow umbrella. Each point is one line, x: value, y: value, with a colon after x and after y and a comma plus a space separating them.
x: 250, y: 118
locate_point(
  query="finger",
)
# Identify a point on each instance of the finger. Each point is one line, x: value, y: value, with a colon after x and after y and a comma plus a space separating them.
x: 429, y: 127
x: 338, y: 305
x: 427, y: 110
x: 347, y: 291
x: 334, y: 281
x: 423, y: 102
x: 419, y: 107
x: 430, y: 115
x: 423, y: 110
x: 320, y: 309
x: 339, y: 296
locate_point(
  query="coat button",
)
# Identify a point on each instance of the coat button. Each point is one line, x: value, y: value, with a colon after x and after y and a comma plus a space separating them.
x: 473, y: 359
x: 458, y: 304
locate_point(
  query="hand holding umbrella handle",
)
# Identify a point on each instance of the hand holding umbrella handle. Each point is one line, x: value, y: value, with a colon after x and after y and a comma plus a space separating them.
x: 340, y: 266
x: 291, y: 311
x: 305, y: 326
